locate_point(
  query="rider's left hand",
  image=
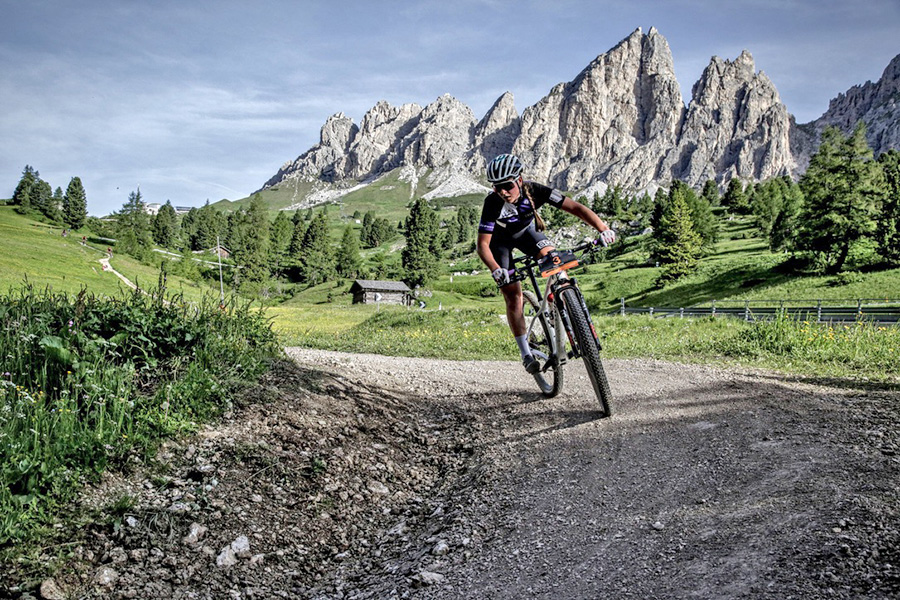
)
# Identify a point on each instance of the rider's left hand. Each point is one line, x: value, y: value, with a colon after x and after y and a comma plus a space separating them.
x: 607, y: 237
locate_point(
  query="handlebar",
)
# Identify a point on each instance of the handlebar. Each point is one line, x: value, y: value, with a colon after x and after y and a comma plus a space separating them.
x: 527, y: 262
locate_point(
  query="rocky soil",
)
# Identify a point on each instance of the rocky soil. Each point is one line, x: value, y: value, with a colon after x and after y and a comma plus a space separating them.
x: 356, y: 476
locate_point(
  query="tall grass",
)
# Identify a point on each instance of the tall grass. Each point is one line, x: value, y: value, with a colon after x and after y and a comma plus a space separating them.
x: 861, y: 350
x: 84, y: 381
x: 858, y: 350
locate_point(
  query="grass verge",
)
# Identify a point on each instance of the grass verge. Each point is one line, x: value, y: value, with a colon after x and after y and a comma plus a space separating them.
x: 86, y: 381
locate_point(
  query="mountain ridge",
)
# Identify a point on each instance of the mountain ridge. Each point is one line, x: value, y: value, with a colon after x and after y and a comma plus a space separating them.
x: 622, y: 120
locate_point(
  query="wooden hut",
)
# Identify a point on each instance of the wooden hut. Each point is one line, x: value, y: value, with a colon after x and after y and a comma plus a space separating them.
x: 366, y: 291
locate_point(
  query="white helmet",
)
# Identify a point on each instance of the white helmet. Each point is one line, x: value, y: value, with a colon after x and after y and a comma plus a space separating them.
x: 505, y: 166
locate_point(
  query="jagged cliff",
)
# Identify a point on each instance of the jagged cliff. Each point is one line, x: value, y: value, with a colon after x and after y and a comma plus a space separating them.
x: 622, y: 120
x: 877, y: 104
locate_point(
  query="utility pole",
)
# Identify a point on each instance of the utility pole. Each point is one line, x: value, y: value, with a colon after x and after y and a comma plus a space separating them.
x: 221, y: 285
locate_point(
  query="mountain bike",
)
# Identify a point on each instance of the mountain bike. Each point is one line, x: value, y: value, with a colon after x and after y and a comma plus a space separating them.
x: 559, y: 316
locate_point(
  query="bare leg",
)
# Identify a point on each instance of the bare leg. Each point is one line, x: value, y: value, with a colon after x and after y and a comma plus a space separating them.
x: 512, y: 294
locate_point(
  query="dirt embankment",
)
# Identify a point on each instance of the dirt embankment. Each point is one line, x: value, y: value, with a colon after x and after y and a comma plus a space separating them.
x: 359, y: 476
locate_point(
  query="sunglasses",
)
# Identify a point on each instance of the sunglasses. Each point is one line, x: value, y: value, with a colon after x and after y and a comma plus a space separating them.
x: 505, y: 186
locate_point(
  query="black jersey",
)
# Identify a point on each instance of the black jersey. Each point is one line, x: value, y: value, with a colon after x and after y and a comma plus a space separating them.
x: 499, y: 216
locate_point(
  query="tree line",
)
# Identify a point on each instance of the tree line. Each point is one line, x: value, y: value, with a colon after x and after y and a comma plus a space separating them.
x: 293, y: 247
x: 846, y: 200
x: 33, y: 196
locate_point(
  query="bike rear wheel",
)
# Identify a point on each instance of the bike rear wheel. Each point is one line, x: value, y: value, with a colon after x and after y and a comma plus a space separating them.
x: 587, y: 346
x: 542, y: 340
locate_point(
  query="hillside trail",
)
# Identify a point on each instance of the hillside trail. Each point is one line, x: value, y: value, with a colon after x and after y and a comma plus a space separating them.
x: 109, y: 268
x: 352, y: 476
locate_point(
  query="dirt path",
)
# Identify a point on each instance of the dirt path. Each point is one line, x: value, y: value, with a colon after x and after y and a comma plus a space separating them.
x: 108, y: 267
x: 359, y: 476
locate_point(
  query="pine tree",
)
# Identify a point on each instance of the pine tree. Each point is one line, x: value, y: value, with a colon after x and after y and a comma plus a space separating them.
x: 165, y: 226
x: 784, y: 228
x: 253, y: 253
x: 735, y: 198
x: 22, y: 194
x: 660, y: 204
x: 209, y: 226
x: 75, y: 204
x: 766, y: 203
x: 317, y: 256
x: 463, y: 227
x: 299, y: 232
x: 711, y: 193
x: 420, y: 257
x: 888, y: 231
x: 450, y: 234
x: 704, y: 222
x: 365, y: 233
x: 189, y: 228
x: 133, y: 226
x: 842, y: 187
x: 680, y: 246
x: 348, y: 258
x: 280, y: 236
x: 54, y: 208
x: 41, y: 196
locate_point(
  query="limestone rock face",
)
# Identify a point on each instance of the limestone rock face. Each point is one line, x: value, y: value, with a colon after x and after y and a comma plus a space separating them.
x: 377, y: 145
x: 327, y: 160
x: 877, y: 104
x: 495, y: 133
x: 614, y: 121
x: 622, y: 121
x: 443, y: 135
x: 736, y: 126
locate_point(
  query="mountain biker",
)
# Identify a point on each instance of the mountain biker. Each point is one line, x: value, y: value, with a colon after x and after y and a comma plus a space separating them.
x: 509, y: 220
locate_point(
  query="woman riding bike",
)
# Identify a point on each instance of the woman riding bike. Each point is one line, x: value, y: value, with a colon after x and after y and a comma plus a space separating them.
x: 509, y: 220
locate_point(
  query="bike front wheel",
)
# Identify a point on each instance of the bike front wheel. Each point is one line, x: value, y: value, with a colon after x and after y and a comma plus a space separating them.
x: 542, y: 340
x: 587, y: 346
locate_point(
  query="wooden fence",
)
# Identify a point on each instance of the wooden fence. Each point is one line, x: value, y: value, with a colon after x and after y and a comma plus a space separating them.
x: 882, y: 311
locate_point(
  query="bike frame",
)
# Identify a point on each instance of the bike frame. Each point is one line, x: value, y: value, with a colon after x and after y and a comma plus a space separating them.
x: 561, y: 323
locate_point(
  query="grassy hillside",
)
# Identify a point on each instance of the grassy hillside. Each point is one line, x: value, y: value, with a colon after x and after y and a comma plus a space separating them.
x: 388, y: 197
x: 38, y: 253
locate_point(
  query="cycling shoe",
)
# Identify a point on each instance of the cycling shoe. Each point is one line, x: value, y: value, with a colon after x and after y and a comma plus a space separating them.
x: 532, y: 365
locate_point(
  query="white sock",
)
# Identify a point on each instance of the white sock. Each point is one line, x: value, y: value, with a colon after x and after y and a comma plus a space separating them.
x: 524, y: 348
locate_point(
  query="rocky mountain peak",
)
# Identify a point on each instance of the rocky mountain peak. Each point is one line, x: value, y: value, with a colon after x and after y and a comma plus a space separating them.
x: 621, y: 120
x: 495, y: 133
x: 877, y: 104
x: 610, y: 121
x: 736, y: 126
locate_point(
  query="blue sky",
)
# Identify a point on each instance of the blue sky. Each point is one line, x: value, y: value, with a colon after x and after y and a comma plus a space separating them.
x: 207, y: 99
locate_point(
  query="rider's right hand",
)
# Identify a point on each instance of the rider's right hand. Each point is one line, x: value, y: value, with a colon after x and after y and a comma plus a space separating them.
x: 500, y: 275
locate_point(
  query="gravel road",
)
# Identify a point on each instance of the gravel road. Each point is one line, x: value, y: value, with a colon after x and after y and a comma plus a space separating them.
x: 359, y: 476
x: 705, y: 483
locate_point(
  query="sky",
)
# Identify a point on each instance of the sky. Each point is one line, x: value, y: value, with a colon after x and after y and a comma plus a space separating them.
x: 206, y: 99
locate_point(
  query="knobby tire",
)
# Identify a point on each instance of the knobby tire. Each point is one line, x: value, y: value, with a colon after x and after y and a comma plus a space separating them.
x: 587, y: 346
x: 541, y: 340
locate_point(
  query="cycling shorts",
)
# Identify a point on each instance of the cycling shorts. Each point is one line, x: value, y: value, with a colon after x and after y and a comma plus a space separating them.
x: 529, y: 240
